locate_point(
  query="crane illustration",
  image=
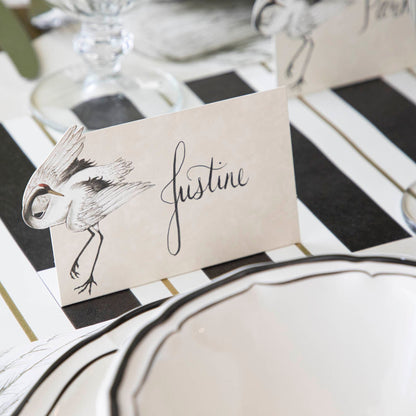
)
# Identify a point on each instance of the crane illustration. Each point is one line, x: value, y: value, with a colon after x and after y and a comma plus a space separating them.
x: 298, y: 19
x: 70, y: 190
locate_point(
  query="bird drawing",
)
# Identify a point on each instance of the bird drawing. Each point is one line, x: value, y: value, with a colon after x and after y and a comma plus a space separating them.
x: 297, y: 19
x: 70, y: 190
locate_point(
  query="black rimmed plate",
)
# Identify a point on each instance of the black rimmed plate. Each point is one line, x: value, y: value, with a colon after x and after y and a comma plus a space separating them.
x: 70, y: 384
x: 329, y: 335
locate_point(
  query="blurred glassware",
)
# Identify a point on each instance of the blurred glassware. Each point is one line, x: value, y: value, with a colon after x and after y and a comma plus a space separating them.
x: 62, y: 99
x: 51, y: 19
x: 193, y: 29
x: 409, y: 195
x: 186, y: 30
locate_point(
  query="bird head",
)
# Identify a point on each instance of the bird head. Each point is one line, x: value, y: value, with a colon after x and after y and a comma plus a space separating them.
x: 38, y: 207
x: 269, y: 17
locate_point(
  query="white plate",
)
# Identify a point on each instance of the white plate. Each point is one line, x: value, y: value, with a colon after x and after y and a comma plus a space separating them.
x: 331, y: 335
x: 70, y: 384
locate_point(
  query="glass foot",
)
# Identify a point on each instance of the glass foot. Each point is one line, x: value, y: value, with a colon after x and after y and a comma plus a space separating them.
x: 409, y: 206
x: 75, y: 96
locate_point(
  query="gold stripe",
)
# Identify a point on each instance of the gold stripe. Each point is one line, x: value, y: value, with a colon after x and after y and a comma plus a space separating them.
x: 266, y: 66
x: 341, y: 133
x: 303, y: 249
x: 170, y: 287
x: 42, y: 127
x: 411, y: 71
x: 17, y: 314
x: 166, y: 98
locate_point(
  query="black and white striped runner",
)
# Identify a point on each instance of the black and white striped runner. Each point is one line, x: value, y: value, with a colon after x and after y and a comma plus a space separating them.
x: 345, y: 202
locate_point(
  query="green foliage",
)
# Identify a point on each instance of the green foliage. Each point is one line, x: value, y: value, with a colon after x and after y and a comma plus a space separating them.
x: 15, y: 41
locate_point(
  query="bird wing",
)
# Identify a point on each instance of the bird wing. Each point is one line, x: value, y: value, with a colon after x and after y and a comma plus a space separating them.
x: 114, y: 172
x: 65, y: 153
x: 323, y: 10
x: 97, y: 205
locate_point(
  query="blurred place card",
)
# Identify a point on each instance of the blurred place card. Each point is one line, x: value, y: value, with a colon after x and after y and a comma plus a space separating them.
x: 328, y: 43
x: 168, y: 195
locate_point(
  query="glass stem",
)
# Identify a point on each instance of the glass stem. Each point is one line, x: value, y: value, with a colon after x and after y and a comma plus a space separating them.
x: 102, y: 42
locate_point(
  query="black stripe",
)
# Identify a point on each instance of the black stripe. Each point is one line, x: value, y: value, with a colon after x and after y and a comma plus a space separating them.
x: 219, y: 87
x: 101, y: 309
x: 342, y: 206
x: 219, y: 269
x: 107, y: 111
x: 392, y: 113
x: 15, y: 171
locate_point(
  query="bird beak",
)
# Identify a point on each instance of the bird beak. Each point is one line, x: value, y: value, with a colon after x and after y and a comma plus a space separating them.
x: 51, y: 191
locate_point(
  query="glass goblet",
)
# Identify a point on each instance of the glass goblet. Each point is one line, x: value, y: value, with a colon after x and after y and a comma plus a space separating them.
x: 100, y: 91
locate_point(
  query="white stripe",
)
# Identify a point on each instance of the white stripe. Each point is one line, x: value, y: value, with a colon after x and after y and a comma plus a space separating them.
x: 151, y: 104
x: 189, y: 281
x: 348, y: 160
x: 15, y: 90
x: 403, y: 82
x: 50, y: 280
x: 25, y: 287
x: 365, y: 136
x: 30, y: 138
x: 190, y: 99
x: 405, y: 248
x: 11, y: 332
x: 151, y: 292
x: 257, y: 77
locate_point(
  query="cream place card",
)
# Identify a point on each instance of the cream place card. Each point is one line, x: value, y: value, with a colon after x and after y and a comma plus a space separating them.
x: 155, y: 198
x: 327, y: 43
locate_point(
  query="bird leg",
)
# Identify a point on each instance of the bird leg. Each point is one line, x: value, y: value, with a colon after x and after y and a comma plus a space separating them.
x: 301, y: 78
x: 75, y: 266
x: 88, y: 284
x: 289, y: 69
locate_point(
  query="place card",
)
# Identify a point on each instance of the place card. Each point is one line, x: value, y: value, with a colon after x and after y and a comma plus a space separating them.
x: 328, y: 43
x: 155, y: 198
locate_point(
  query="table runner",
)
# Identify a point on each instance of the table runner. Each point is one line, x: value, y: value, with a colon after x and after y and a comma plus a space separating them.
x: 349, y: 200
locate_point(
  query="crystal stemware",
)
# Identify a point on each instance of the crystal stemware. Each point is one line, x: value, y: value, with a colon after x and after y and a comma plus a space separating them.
x: 101, y: 91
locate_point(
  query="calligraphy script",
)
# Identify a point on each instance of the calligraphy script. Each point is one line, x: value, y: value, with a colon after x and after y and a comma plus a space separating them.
x: 193, y: 184
x: 382, y: 9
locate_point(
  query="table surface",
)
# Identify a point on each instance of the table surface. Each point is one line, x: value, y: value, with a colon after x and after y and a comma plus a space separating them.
x: 354, y: 154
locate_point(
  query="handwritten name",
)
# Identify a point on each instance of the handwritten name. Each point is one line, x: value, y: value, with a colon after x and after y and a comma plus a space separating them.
x: 200, y: 180
x: 382, y: 9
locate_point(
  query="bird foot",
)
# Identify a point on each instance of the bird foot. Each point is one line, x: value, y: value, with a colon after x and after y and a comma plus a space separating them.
x: 298, y: 84
x: 87, y: 285
x: 289, y: 71
x: 74, y: 270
